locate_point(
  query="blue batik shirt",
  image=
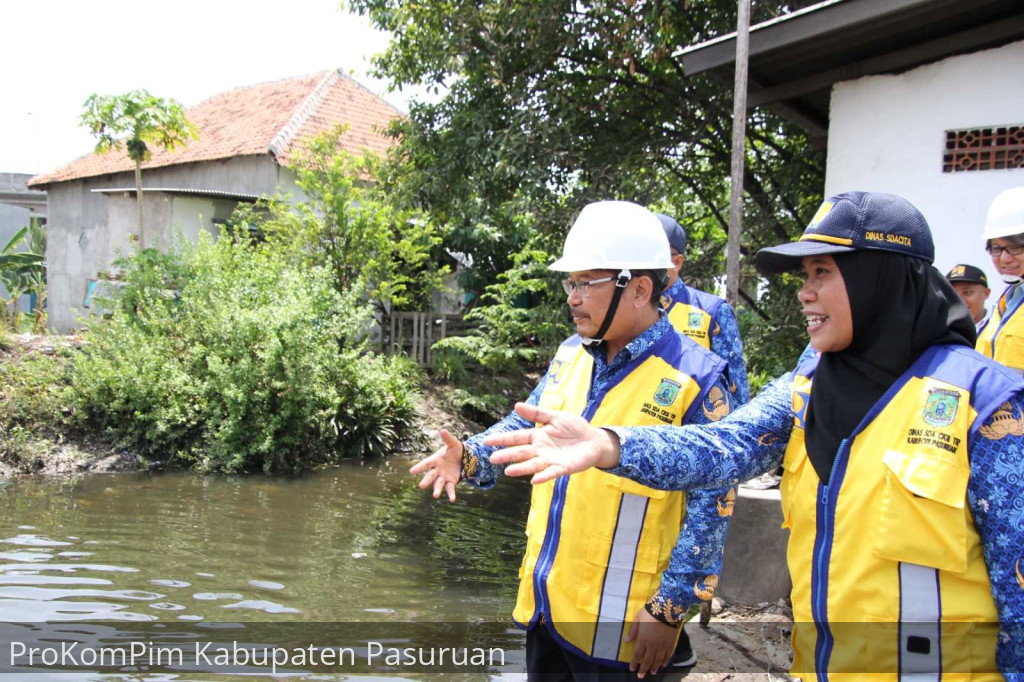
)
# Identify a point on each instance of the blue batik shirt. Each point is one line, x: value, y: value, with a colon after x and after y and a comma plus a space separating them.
x: 698, y: 552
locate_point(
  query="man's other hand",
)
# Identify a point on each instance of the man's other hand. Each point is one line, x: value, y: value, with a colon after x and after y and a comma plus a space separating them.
x: 442, y: 470
x: 655, y: 643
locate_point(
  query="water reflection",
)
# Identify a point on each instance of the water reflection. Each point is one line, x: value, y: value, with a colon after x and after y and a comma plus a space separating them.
x: 353, y: 544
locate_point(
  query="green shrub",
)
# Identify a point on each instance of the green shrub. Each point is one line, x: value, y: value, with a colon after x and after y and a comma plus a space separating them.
x: 33, y: 412
x: 450, y: 367
x: 481, y: 407
x: 33, y: 390
x: 523, y: 317
x: 224, y: 356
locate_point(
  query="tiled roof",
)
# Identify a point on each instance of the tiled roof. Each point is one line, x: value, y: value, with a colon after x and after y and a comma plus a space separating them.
x: 274, y: 118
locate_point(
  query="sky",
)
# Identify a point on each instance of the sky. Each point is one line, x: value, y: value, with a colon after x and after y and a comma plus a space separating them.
x: 55, y: 53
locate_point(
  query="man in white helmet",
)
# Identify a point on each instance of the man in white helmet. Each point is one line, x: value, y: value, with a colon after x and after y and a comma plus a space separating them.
x: 610, y: 566
x: 1003, y: 336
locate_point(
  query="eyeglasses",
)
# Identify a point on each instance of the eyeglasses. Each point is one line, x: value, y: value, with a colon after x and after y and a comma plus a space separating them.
x: 997, y: 251
x: 583, y: 287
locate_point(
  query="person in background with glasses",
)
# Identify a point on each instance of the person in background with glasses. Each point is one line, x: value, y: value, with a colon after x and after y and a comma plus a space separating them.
x: 1002, y: 339
x: 611, y: 567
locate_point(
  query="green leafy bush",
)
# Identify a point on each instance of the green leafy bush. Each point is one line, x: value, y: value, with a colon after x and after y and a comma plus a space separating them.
x: 224, y: 356
x: 478, y: 405
x: 523, y: 317
x: 32, y: 390
x: 33, y: 402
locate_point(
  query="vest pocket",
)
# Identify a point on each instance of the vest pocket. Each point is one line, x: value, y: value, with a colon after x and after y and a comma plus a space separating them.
x: 791, y: 464
x: 611, y: 574
x: 922, y: 518
x: 1010, y: 350
x: 626, y: 486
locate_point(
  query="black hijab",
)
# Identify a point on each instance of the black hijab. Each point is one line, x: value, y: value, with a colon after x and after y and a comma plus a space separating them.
x: 900, y: 306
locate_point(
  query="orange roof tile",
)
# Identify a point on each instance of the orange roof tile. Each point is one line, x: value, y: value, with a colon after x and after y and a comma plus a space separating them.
x: 272, y: 118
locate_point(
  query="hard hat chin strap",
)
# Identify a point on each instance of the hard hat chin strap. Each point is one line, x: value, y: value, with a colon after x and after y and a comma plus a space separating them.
x: 621, y: 282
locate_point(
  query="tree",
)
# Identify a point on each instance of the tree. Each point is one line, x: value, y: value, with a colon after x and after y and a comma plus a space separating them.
x: 550, y: 104
x: 350, y: 224
x: 136, y: 120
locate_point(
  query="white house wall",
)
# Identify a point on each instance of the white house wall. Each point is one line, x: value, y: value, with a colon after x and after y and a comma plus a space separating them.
x: 190, y: 216
x: 886, y: 133
x: 86, y: 230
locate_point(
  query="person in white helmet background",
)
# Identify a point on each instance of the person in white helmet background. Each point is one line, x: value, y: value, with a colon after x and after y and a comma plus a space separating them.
x: 1002, y: 339
x: 610, y: 566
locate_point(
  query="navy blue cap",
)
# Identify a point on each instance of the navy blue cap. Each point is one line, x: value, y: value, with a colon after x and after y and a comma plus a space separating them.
x: 855, y: 221
x: 674, y: 231
x: 967, y: 273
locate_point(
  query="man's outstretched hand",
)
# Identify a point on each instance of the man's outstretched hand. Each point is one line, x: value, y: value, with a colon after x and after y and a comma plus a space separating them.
x: 442, y: 469
x: 563, y: 444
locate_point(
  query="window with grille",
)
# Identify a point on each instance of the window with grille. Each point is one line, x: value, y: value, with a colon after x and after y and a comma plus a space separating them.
x: 981, y: 149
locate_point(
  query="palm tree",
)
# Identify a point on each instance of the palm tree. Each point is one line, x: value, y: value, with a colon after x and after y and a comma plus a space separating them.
x: 136, y: 119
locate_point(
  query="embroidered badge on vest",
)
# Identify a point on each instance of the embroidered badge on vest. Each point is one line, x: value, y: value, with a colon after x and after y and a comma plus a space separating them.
x: 694, y: 320
x: 940, y: 407
x: 667, y: 392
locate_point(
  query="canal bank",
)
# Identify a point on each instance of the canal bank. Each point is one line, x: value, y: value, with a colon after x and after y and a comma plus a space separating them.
x: 43, y: 441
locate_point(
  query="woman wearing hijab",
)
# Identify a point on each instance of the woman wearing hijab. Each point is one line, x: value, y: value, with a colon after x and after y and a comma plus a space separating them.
x: 903, y: 465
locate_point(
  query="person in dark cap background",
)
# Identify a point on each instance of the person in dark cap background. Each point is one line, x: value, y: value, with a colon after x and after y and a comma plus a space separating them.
x: 903, y: 451
x: 704, y: 317
x: 972, y: 285
x: 710, y: 322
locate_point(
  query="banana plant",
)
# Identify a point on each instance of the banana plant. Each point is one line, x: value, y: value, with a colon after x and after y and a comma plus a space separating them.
x: 21, y: 272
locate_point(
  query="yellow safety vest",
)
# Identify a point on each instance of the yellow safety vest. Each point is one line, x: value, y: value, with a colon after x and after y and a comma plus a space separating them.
x: 692, y: 314
x: 888, y: 549
x: 597, y: 544
x: 1002, y: 339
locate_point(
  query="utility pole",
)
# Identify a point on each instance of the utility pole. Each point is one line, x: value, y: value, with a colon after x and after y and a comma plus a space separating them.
x: 739, y: 134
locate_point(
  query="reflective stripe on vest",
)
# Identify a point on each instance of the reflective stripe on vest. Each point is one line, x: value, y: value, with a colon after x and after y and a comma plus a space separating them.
x: 1002, y: 339
x: 597, y: 543
x: 920, y: 613
x: 888, y: 549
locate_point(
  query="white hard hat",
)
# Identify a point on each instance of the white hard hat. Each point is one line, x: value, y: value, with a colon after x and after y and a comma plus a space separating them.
x: 615, y: 235
x: 1005, y: 215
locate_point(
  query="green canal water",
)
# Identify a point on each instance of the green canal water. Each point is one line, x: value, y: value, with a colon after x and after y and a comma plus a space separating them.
x: 355, y: 544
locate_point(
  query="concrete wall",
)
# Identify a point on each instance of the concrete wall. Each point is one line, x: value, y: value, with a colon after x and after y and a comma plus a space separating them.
x: 887, y: 134
x: 87, y: 231
x: 754, y: 566
x: 77, y: 247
